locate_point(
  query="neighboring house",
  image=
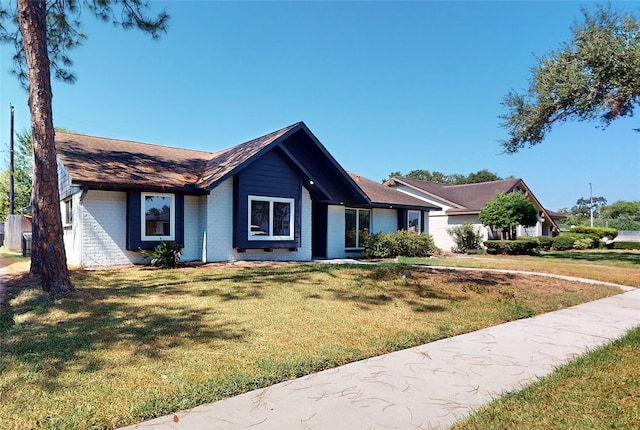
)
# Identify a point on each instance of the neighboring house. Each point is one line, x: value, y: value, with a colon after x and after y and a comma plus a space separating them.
x: 462, y: 203
x: 281, y: 196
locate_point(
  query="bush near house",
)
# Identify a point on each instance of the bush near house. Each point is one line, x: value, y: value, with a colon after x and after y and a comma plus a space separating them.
x: 165, y: 255
x: 597, y: 233
x: 523, y: 246
x: 544, y: 242
x: 401, y: 243
x: 465, y: 237
x: 568, y: 241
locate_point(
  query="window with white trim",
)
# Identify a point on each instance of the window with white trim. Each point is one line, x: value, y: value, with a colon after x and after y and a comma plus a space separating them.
x: 158, y: 216
x: 271, y: 218
x: 413, y: 221
x: 68, y: 212
x: 357, y: 225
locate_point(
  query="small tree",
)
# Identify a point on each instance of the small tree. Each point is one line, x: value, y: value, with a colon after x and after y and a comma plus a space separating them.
x: 465, y: 237
x: 22, y: 175
x: 507, y: 211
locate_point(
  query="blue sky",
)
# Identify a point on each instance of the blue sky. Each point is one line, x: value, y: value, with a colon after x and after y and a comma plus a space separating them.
x: 385, y: 86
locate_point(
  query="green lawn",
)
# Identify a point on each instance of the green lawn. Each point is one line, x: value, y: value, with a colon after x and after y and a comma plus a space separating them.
x: 136, y: 343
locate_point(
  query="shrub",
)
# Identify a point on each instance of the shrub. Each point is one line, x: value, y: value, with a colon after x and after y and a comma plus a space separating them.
x: 401, y: 243
x: 568, y: 241
x: 544, y: 242
x: 166, y: 255
x: 511, y: 247
x: 465, y: 237
x: 624, y: 245
x: 597, y: 233
x: 563, y: 242
x: 585, y: 243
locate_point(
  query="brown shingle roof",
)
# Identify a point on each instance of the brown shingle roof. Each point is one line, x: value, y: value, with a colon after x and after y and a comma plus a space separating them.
x: 223, y: 162
x: 113, y: 163
x: 466, y: 197
x: 380, y: 194
x: 99, y: 160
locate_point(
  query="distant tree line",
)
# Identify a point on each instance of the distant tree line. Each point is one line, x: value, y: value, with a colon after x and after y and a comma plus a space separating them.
x: 455, y: 179
x: 621, y: 215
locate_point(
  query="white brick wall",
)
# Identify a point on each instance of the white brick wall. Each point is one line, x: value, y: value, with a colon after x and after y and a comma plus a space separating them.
x: 72, y: 234
x: 219, y: 215
x: 440, y: 224
x: 335, y: 232
x: 384, y: 220
x: 192, y: 235
x: 104, y: 229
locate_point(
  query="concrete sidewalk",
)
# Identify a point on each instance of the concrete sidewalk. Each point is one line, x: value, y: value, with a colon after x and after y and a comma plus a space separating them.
x: 427, y: 387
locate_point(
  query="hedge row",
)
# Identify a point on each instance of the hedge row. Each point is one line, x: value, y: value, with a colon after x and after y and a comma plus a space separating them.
x: 533, y: 245
x: 401, y: 243
x: 512, y: 247
x: 596, y: 232
x: 624, y: 245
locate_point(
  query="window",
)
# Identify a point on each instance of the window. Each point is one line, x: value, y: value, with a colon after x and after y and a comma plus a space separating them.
x: 158, y: 216
x: 357, y: 225
x: 68, y: 212
x: 413, y: 221
x: 270, y: 218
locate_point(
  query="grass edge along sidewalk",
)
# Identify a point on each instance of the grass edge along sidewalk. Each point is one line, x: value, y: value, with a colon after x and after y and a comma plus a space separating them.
x: 600, y: 389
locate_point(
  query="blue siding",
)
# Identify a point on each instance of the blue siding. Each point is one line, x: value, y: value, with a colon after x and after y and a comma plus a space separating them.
x: 272, y: 175
x: 320, y: 167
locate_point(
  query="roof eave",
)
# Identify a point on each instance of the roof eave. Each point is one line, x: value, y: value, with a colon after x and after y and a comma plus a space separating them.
x: 116, y: 186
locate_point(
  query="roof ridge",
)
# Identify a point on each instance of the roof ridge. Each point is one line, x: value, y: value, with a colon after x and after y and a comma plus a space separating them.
x: 136, y: 142
x: 478, y: 183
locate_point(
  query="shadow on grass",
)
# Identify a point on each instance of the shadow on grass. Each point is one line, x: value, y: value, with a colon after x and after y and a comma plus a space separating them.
x: 105, y: 318
x: 116, y: 311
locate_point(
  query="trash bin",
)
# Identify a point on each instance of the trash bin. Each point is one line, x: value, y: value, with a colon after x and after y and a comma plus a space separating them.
x: 26, y: 244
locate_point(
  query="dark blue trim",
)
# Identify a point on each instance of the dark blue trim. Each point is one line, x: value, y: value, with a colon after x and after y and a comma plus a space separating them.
x: 319, y: 227
x: 134, y: 232
x: 402, y: 218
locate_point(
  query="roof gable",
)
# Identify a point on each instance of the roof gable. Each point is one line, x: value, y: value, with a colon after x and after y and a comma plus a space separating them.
x: 119, y: 164
x: 225, y: 163
x: 465, y: 197
x: 382, y: 195
x: 471, y: 198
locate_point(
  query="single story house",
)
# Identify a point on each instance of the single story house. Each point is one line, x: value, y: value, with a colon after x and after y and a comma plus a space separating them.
x: 281, y: 196
x: 458, y: 204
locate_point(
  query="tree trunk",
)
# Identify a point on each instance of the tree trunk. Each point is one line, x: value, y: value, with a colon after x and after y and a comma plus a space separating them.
x: 48, y: 258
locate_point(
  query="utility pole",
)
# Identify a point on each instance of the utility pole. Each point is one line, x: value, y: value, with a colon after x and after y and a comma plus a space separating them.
x: 11, y: 166
x: 591, y: 203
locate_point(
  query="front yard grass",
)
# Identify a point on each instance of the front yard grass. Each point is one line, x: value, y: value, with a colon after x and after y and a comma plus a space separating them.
x: 615, y: 266
x: 132, y: 344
